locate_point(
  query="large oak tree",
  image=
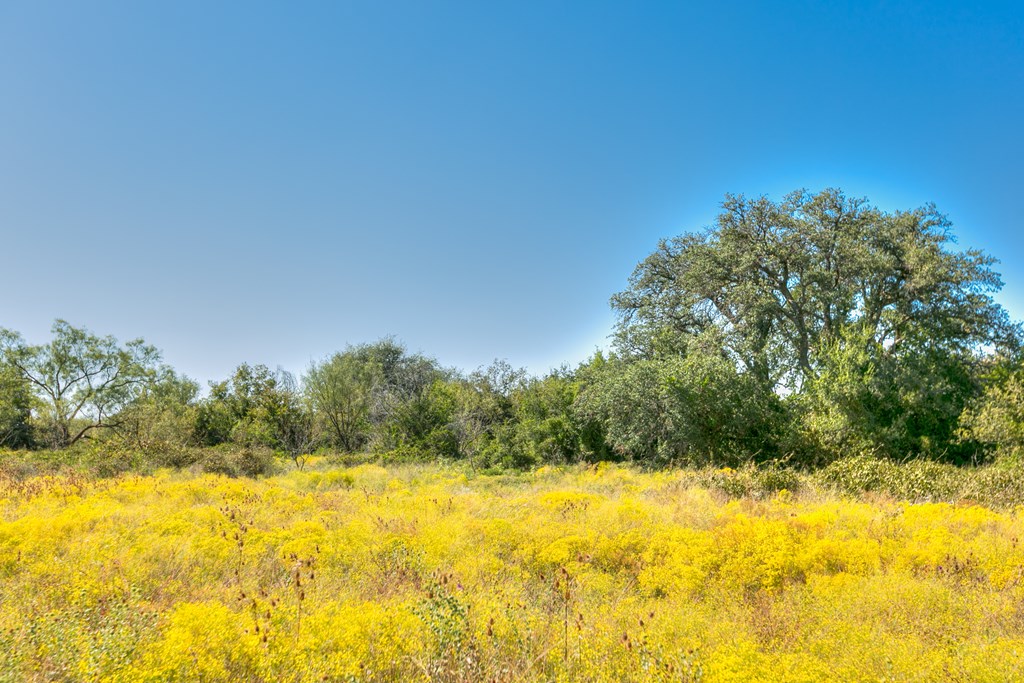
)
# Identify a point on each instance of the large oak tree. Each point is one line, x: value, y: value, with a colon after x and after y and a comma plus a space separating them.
x: 781, y: 280
x: 819, y: 290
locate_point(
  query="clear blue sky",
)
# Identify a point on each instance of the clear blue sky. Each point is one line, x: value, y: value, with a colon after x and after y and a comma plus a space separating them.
x: 266, y: 183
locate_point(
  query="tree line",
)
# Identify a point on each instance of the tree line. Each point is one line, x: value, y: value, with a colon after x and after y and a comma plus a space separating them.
x: 797, y: 331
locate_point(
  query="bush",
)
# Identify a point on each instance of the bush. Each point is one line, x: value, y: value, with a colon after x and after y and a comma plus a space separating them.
x: 18, y: 465
x: 753, y: 481
x: 406, y: 453
x: 924, y: 480
x: 695, y: 410
x: 101, y: 458
x: 856, y: 475
x: 177, y: 457
x: 238, y: 462
x: 996, y: 486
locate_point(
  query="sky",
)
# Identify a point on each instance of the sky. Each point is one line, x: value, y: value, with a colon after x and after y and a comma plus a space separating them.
x: 269, y: 182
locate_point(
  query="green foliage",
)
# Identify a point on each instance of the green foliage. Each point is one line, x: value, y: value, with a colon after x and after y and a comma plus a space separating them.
x: 423, y: 423
x: 453, y: 653
x: 485, y: 406
x: 164, y: 415
x: 694, y: 409
x: 996, y: 418
x: 588, y: 422
x: 340, y: 390
x: 453, y: 417
x: 82, y: 382
x: 373, y: 394
x: 934, y: 388
x: 868, y: 321
x: 779, y: 281
x: 257, y: 408
x: 923, y: 480
x: 15, y: 408
x: 232, y: 403
x: 496, y: 417
x: 865, y: 401
x: 106, y: 458
x: 754, y: 481
x: 236, y: 461
x: 799, y: 332
x: 545, y: 430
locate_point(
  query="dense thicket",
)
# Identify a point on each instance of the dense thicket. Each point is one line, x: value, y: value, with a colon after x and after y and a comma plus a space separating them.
x: 797, y: 331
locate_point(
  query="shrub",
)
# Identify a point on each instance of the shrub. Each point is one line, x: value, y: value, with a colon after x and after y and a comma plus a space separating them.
x: 236, y: 461
x: 924, y: 480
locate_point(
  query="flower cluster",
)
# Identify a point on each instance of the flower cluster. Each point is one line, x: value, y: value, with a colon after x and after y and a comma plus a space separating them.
x: 426, y: 573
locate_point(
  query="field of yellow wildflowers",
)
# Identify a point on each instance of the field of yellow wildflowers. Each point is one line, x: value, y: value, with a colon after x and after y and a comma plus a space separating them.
x: 422, y: 573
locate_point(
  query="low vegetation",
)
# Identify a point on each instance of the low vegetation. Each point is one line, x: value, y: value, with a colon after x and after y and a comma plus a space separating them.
x: 420, y: 572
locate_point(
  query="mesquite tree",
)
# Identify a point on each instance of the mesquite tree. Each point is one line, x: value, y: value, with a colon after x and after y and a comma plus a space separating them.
x: 83, y: 382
